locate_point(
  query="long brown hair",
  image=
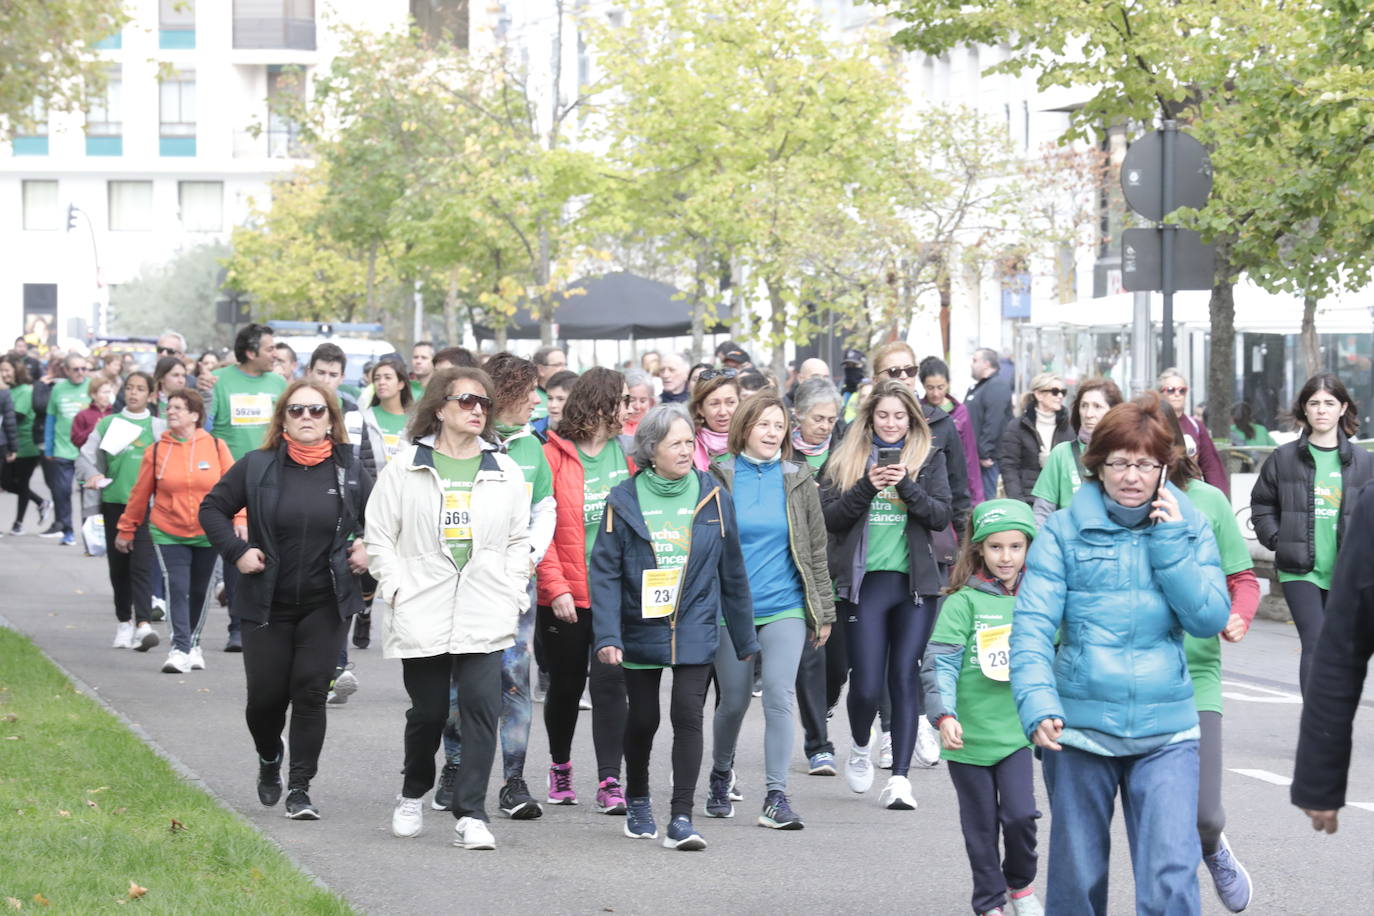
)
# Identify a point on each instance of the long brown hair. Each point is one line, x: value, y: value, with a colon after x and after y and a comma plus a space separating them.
x: 1110, y: 393
x: 337, y: 432
x: 849, y: 461
x: 704, y: 390
x: 593, y: 405
x: 424, y: 421
x: 749, y: 413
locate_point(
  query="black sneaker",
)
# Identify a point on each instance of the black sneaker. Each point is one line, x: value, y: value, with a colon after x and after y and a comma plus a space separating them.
x: 299, y: 807
x: 235, y: 643
x: 443, y: 793
x: 516, y: 801
x: 362, y: 631
x: 269, y: 781
x: 778, y: 814
x: 18, y: 528
x: 54, y: 530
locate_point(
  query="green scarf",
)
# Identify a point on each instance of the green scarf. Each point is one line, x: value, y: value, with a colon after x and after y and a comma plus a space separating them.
x: 505, y: 431
x: 664, y: 488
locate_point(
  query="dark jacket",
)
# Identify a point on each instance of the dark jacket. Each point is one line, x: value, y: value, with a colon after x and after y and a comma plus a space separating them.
x: 944, y: 435
x: 255, y: 483
x: 42, y: 394
x: 9, y: 431
x: 1208, y: 458
x: 805, y: 536
x: 927, y: 500
x: 988, y: 404
x: 714, y: 583
x: 1018, y: 454
x: 1339, y: 664
x: 1281, y: 502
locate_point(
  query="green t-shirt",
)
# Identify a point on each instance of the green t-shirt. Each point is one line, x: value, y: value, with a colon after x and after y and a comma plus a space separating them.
x: 599, y: 476
x: 1059, y: 479
x: 66, y: 401
x: 1261, y: 436
x: 162, y: 537
x: 393, y: 427
x: 887, y: 546
x: 817, y: 461
x: 243, y: 407
x: 984, y: 706
x: 122, y: 468
x: 22, y: 396
x: 1326, y: 511
x: 456, y: 476
x: 528, y: 453
x: 667, y: 507
x: 1204, y: 655
x: 541, y: 411
x: 417, y: 389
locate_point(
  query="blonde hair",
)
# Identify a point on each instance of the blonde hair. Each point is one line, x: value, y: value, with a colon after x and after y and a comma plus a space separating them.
x: 887, y: 349
x: 849, y: 461
x: 1041, y: 380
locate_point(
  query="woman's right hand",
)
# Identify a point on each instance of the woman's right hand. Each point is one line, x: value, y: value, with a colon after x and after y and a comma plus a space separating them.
x: 885, y: 475
x: 123, y: 544
x: 951, y: 733
x: 564, y: 609
x: 1047, y: 734
x: 610, y: 655
x: 251, y: 562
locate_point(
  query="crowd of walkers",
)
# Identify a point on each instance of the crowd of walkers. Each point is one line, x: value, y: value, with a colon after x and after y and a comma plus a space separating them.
x: 992, y: 586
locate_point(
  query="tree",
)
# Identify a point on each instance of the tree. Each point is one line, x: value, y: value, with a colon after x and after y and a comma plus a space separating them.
x: 178, y: 294
x: 1060, y: 203
x: 46, y: 56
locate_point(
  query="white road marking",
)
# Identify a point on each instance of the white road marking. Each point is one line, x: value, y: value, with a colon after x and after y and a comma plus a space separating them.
x: 1367, y: 806
x: 1265, y: 776
x: 1271, y: 696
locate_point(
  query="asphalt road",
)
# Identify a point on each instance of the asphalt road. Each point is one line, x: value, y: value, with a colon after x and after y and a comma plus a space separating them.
x: 853, y: 856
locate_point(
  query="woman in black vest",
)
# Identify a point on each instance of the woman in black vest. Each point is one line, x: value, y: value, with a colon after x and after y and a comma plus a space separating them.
x: 1026, y: 442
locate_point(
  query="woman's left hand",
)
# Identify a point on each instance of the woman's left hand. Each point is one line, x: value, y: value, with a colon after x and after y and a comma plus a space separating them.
x: 1166, y: 507
x: 822, y: 636
x: 1236, y: 628
x: 357, y: 557
x: 610, y: 655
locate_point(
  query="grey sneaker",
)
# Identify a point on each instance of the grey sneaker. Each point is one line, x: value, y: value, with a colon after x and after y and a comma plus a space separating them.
x: 718, y: 795
x: 1229, y: 877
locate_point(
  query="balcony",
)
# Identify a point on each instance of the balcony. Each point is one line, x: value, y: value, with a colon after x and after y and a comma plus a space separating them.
x: 277, y: 33
x: 30, y: 146
x: 176, y: 39
x: 105, y: 145
x: 176, y: 146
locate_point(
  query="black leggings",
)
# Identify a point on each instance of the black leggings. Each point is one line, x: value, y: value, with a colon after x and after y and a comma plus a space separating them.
x: 290, y: 661
x: 567, y: 647
x: 689, y: 697
x: 14, y: 478
x: 477, y: 679
x: 1307, y: 604
x: 131, y: 574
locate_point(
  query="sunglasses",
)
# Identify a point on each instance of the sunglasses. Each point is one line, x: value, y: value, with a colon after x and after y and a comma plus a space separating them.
x: 298, y: 410
x: 166, y: 351
x: 708, y: 374
x: 900, y: 371
x: 1057, y: 392
x: 471, y: 401
x: 1181, y: 389
x: 77, y: 369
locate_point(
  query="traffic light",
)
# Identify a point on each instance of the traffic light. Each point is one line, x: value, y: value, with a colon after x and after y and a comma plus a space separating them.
x: 71, y: 217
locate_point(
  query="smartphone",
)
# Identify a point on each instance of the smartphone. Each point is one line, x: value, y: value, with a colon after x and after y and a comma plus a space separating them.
x: 887, y: 456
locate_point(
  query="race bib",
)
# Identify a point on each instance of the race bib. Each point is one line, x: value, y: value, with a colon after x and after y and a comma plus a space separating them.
x: 658, y: 592
x: 457, y: 518
x: 250, y: 409
x: 392, y: 442
x: 994, y: 652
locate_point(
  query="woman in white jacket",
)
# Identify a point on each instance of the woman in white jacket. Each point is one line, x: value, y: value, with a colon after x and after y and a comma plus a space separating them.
x: 448, y: 542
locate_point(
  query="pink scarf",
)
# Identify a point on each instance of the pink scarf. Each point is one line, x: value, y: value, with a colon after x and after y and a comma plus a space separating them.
x: 806, y: 448
x: 709, y: 445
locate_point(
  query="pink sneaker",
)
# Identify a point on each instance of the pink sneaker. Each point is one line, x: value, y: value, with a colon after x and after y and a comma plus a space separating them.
x: 561, y: 785
x: 610, y: 798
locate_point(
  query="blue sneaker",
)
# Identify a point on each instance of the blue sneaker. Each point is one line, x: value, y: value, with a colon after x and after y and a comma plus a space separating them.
x: 682, y: 835
x: 778, y: 813
x: 68, y: 540
x: 822, y: 764
x: 1230, y: 878
x: 639, y: 819
x: 718, y: 795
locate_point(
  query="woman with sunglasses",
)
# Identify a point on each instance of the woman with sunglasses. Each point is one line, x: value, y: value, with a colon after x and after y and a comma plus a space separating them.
x: 715, y: 398
x: 1063, y: 472
x: 1026, y: 443
x: 305, y: 495
x: 448, y: 542
x: 1174, y: 387
x: 587, y: 459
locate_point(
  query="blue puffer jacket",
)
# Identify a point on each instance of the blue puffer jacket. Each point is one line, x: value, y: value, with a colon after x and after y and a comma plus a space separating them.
x: 714, y: 584
x: 1121, y: 600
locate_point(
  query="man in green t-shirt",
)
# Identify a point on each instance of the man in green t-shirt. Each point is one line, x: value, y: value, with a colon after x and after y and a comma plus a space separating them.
x: 67, y: 398
x: 421, y: 367
x: 548, y: 361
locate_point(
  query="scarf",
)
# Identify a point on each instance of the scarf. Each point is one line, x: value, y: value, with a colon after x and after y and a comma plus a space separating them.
x: 1127, y: 516
x: 806, y: 448
x: 709, y: 445
x: 504, y: 431
x: 308, y: 455
x: 879, y: 443
x: 663, y: 487
x: 761, y: 465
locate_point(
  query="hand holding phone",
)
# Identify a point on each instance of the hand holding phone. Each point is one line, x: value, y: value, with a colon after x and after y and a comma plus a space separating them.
x: 1165, y: 506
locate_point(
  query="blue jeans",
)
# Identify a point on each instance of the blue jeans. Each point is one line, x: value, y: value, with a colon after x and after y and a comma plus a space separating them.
x: 187, y: 575
x: 990, y: 481
x: 59, y: 480
x: 1159, y: 802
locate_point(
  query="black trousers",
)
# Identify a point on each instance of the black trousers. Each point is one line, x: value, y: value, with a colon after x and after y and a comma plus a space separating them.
x: 477, y: 678
x: 567, y: 648
x: 1307, y: 604
x: 290, y: 662
x: 15, y: 476
x: 820, y: 681
x: 131, y: 574
x: 685, y: 713
x: 999, y: 798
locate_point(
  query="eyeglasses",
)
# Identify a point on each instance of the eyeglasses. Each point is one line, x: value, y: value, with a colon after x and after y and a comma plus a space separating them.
x: 296, y: 411
x: 166, y: 351
x: 78, y: 369
x: 708, y: 374
x: 469, y: 401
x: 628, y: 399
x: 900, y: 371
x: 1121, y: 465
x: 1175, y: 389
x: 1057, y: 392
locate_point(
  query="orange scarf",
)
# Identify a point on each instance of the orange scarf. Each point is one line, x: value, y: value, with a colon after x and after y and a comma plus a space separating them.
x: 308, y: 455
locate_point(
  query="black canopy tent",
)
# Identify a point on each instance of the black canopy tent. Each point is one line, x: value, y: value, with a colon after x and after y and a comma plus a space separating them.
x: 614, y: 306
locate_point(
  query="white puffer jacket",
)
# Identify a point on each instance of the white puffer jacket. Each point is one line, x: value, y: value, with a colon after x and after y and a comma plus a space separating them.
x: 434, y: 610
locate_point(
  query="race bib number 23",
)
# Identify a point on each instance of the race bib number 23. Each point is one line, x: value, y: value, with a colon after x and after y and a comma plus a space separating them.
x: 658, y: 592
x: 994, y: 652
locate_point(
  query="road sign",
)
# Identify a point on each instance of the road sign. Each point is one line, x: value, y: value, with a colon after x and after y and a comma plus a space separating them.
x: 1142, y: 260
x: 1142, y: 175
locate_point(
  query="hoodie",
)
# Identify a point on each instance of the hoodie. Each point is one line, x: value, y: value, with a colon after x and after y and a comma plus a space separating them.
x: 176, y: 474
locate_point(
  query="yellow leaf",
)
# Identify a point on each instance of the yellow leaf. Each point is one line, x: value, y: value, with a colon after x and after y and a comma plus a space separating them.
x: 135, y: 891
x: 41, y: 900
x: 63, y: 813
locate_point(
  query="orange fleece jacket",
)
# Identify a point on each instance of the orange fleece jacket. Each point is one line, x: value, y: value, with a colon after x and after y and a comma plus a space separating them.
x: 177, y: 475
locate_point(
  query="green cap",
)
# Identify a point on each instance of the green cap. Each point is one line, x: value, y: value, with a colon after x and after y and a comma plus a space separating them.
x: 1002, y: 515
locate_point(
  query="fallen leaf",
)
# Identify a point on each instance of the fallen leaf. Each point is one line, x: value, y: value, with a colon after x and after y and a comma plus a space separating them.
x: 256, y: 873
x: 63, y: 813
x: 13, y: 903
x: 135, y: 891
x: 177, y: 825
x: 202, y: 690
x: 14, y: 737
x: 41, y: 900
x: 119, y: 810
x: 96, y: 791
x: 91, y: 803
x: 11, y: 717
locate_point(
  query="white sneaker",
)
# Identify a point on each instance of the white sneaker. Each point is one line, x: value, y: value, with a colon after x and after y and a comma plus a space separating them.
x: 858, y: 769
x: 124, y: 635
x: 145, y: 638
x: 896, y: 795
x: 1028, y: 905
x: 584, y: 702
x: 408, y: 817
x: 927, y: 743
x: 178, y: 662
x: 470, y: 833
x: 197, y: 658
x: 346, y: 684
x: 885, y: 751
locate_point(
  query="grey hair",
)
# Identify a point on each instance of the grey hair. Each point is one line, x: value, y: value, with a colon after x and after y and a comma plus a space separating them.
x: 178, y: 335
x: 814, y: 391
x: 638, y: 378
x: 653, y: 429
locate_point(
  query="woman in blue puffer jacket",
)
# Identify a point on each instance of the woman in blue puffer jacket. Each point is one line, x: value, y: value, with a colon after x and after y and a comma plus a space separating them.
x: 1120, y: 575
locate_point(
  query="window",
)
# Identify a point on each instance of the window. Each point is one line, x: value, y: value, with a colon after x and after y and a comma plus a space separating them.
x: 34, y: 142
x: 442, y: 20
x: 284, y: 86
x: 202, y: 205
x: 274, y: 24
x: 104, y: 120
x: 41, y: 210
x: 176, y: 24
x: 177, y: 130
x: 131, y: 206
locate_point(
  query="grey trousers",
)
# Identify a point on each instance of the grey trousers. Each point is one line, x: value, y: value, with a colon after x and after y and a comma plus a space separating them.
x: 1211, y: 817
x: 780, y: 644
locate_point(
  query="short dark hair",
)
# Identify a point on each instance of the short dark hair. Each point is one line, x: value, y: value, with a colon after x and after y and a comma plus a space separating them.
x: 1326, y: 381
x: 456, y: 356
x: 930, y: 366
x: 988, y: 355
x: 752, y: 381
x: 541, y: 356
x: 421, y: 343
x: 564, y: 379
x: 248, y: 338
x: 328, y: 353
x: 289, y: 349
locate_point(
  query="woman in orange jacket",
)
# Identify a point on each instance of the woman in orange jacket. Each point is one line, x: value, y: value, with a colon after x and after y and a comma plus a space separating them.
x: 177, y: 471
x: 588, y: 460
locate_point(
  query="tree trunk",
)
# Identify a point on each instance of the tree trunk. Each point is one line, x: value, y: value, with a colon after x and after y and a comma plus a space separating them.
x: 1311, y: 353
x: 541, y: 280
x: 1221, y: 368
x: 500, y: 337
x: 778, y: 320
x: 371, y: 291
x: 451, y: 334
x: 699, y: 305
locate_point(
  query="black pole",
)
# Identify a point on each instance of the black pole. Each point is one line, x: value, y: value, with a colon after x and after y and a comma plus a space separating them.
x: 1167, y: 233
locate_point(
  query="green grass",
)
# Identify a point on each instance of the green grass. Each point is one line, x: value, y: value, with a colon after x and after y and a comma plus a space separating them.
x: 86, y: 808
